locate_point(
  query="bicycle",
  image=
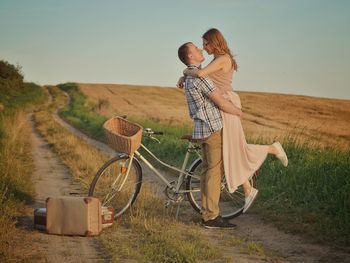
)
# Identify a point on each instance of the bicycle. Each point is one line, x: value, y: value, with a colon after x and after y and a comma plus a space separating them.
x: 118, y: 181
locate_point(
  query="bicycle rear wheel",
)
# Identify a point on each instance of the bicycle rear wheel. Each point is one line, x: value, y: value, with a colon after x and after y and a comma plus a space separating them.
x: 231, y: 204
x: 114, y: 186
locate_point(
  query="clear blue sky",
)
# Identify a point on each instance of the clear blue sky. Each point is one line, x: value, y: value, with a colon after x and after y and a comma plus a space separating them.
x: 294, y: 47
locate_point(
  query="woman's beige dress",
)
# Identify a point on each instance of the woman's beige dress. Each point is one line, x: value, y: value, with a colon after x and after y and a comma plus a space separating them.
x: 240, y: 159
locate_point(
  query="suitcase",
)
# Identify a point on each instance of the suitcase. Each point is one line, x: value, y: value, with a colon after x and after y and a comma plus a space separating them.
x: 40, y: 218
x: 107, y: 216
x: 74, y: 216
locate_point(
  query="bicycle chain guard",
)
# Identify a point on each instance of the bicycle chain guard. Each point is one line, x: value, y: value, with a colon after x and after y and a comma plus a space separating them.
x: 170, y: 193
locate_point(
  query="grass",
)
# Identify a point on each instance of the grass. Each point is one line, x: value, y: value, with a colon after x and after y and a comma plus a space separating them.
x: 148, y: 232
x: 246, y: 246
x: 31, y: 95
x: 16, y: 167
x: 310, y: 197
x: 81, y: 113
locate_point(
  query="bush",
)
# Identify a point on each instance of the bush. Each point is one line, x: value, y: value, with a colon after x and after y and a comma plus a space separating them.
x: 11, y: 78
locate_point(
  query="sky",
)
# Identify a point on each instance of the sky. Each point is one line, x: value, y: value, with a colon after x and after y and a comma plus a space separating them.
x: 281, y: 46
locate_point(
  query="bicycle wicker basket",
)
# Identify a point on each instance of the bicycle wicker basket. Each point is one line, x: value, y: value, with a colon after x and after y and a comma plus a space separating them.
x: 122, y: 135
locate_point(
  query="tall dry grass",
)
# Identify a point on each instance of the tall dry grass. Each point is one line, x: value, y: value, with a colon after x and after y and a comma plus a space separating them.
x: 16, y: 188
x: 16, y: 166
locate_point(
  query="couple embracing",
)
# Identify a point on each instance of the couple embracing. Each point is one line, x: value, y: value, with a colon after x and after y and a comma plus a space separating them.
x: 216, y: 111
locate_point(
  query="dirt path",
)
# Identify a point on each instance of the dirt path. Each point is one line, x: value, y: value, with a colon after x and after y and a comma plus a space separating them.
x: 291, y: 247
x: 286, y: 247
x: 52, y: 178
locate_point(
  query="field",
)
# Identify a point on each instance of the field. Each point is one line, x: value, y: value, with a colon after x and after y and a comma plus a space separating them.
x: 308, y: 200
x: 309, y: 197
x: 265, y: 115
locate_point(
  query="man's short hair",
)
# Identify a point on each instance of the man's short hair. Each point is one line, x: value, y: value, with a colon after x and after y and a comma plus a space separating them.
x: 183, y: 52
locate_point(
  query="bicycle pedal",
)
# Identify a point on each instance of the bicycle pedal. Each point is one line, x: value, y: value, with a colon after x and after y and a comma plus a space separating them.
x: 168, y: 203
x: 179, y: 199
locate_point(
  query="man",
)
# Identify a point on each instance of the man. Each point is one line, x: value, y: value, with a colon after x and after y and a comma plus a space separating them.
x: 205, y: 103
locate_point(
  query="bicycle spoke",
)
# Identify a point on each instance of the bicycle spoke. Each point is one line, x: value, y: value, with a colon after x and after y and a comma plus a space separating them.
x: 107, y: 199
x: 112, y: 190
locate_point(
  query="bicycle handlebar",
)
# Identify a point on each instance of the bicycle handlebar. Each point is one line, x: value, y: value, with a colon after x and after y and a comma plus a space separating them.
x: 151, y: 132
x: 147, y: 130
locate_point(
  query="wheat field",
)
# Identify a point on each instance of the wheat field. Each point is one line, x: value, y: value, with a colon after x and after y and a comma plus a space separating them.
x: 267, y: 115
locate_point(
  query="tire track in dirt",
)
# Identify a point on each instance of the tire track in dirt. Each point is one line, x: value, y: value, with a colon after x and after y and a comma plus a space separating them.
x: 52, y: 178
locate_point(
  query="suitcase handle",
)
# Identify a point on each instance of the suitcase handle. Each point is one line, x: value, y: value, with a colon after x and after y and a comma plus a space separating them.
x: 87, y: 200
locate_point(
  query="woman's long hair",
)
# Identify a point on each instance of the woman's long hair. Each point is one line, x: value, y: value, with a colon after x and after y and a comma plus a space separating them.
x: 218, y: 42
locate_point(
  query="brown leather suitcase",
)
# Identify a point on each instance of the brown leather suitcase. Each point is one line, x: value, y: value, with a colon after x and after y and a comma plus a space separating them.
x: 40, y: 218
x: 75, y: 216
x: 107, y: 216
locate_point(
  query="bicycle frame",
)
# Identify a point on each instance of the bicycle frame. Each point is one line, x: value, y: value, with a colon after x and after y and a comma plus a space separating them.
x: 182, y: 172
x: 118, y: 169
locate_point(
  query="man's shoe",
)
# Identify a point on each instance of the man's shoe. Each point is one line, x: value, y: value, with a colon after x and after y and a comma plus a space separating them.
x: 282, y: 156
x: 249, y: 200
x: 218, y: 222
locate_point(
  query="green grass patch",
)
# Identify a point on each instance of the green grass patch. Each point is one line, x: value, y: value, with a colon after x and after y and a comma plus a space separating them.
x: 80, y: 112
x: 30, y: 95
x: 310, y: 196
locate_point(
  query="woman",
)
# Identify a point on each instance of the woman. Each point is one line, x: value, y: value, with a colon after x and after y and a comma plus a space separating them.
x: 241, y: 160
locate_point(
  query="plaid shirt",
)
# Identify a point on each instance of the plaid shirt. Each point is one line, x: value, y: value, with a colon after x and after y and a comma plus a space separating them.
x: 206, y: 116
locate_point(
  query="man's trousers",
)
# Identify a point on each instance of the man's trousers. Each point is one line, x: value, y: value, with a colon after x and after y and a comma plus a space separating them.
x: 212, y: 174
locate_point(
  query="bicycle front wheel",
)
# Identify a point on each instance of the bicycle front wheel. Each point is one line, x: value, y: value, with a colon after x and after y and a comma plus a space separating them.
x: 230, y: 204
x: 115, y: 186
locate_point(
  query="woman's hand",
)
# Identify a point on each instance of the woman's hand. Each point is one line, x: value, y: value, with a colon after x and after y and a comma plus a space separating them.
x: 180, y: 82
x: 240, y: 113
x: 238, y: 109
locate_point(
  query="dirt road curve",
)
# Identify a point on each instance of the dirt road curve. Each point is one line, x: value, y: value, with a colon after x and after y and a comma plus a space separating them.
x: 52, y: 178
